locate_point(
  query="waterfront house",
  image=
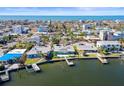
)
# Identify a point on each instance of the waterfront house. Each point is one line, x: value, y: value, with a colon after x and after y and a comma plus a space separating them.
x: 34, y: 52
x: 62, y: 51
x: 12, y: 56
x: 109, y: 45
x: 87, y: 47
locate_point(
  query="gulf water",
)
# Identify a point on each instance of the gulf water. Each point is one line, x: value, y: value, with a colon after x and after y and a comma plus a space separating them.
x: 61, y: 18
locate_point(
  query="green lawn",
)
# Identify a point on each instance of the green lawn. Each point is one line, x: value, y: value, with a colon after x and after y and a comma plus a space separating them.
x: 31, y: 61
x: 113, y: 55
x: 91, y: 55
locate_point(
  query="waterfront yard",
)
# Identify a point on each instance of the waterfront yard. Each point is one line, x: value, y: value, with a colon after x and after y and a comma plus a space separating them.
x: 114, y: 55
x: 31, y: 61
x: 90, y: 56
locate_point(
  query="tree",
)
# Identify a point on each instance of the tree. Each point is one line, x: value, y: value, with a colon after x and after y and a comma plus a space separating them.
x: 102, y: 50
x: 45, y: 39
x: 82, y: 34
x: 29, y: 35
x: 23, y: 59
x: 2, y: 67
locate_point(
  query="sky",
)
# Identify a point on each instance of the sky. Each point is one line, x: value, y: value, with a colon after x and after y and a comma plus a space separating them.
x: 61, y: 11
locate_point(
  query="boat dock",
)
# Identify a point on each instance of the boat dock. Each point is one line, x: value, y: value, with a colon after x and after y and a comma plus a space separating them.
x: 5, y: 76
x: 35, y: 67
x: 69, y: 63
x: 102, y: 59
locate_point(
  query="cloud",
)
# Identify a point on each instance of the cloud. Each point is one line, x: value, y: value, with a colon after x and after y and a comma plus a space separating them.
x: 85, y: 8
x: 62, y: 11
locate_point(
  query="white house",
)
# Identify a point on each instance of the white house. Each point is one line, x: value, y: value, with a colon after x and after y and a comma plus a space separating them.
x: 87, y: 47
x: 109, y: 45
x: 17, y: 29
x: 87, y: 26
x: 35, y: 38
x: 64, y: 50
x: 118, y: 35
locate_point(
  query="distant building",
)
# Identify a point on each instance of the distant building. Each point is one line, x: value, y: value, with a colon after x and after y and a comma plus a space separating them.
x: 35, y: 39
x: 87, y: 26
x: 25, y: 30
x: 1, y: 33
x: 2, y: 26
x: 87, y: 32
x: 43, y: 29
x: 105, y: 35
x: 118, y: 35
x: 19, y: 29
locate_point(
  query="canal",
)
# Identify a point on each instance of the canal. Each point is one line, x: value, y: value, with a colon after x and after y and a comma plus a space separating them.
x: 84, y: 73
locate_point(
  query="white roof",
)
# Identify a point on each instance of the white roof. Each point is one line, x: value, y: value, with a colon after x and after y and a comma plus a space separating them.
x: 31, y: 52
x: 108, y: 42
x: 17, y: 51
x: 87, y: 47
x: 45, y: 49
x: 92, y: 37
x: 34, y: 50
x: 63, y: 48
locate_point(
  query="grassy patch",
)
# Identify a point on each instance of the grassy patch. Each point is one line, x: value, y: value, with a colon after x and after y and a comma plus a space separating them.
x: 31, y: 61
x: 90, y: 55
x: 114, y: 55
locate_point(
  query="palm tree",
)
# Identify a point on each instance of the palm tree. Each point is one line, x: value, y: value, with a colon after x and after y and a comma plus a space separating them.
x: 23, y: 59
x: 121, y: 41
x: 45, y: 39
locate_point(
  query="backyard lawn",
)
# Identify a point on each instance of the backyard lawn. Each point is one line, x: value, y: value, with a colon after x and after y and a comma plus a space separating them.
x: 114, y: 55
x: 31, y: 61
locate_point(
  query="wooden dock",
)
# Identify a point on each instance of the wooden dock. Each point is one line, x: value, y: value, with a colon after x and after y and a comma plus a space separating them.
x: 103, y: 60
x: 5, y: 76
x: 29, y: 69
x: 35, y: 67
x: 69, y: 63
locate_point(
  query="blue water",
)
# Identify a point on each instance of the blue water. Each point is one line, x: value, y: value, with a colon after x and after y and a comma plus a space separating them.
x: 61, y: 18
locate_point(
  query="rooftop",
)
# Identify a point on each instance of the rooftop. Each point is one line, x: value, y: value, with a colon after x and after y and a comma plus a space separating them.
x: 17, y: 51
x: 63, y: 48
x: 86, y: 46
x: 108, y: 42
